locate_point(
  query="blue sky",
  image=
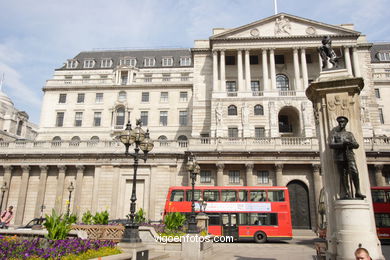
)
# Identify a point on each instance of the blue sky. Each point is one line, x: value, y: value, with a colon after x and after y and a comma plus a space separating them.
x: 37, y: 37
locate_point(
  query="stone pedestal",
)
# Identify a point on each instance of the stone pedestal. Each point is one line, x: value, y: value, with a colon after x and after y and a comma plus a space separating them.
x: 138, y: 251
x: 202, y: 221
x: 335, y: 93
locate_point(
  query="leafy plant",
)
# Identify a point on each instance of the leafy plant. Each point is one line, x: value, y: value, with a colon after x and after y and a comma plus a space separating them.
x: 174, y: 220
x: 87, y: 218
x: 140, y: 216
x: 57, y: 226
x: 101, y: 218
x: 71, y: 219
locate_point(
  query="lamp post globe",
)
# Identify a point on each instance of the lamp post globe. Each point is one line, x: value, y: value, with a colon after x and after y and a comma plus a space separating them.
x: 70, y: 189
x: 141, y: 141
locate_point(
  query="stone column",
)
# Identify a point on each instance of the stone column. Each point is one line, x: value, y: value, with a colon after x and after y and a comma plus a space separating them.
x: 249, y: 174
x: 7, y: 181
x: 297, y: 78
x: 222, y: 67
x: 356, y: 67
x: 78, y: 188
x: 347, y: 59
x: 239, y: 71
x: 131, y: 77
x: 380, y: 180
x: 215, y: 72
x: 95, y: 190
x: 317, y: 188
x: 279, y: 174
x: 128, y: 77
x: 247, y: 71
x: 266, y: 86
x: 60, y: 188
x: 41, y: 190
x: 220, y: 167
x: 350, y: 221
x: 305, y: 76
x: 20, y: 207
x: 272, y: 65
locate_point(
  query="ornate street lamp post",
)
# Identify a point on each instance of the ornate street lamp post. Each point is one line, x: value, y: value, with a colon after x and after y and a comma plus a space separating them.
x: 141, y: 141
x: 4, y: 188
x: 194, y: 169
x: 70, y: 189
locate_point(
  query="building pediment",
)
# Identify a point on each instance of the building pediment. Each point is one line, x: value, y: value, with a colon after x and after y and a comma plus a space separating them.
x: 283, y: 26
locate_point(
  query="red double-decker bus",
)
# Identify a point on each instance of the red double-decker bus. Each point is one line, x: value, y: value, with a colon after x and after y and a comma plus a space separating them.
x: 259, y: 213
x: 381, y: 204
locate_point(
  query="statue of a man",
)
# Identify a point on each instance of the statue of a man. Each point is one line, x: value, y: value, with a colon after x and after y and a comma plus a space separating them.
x: 245, y: 113
x: 343, y: 143
x: 218, y: 114
x: 326, y: 52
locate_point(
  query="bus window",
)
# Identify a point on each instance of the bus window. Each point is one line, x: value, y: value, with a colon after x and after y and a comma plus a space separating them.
x: 214, y: 219
x: 276, y: 195
x: 378, y: 195
x: 196, y: 197
x: 242, y: 195
x: 263, y: 219
x: 211, y: 195
x: 229, y: 195
x: 243, y: 218
x: 177, y: 195
x: 382, y: 220
x: 258, y: 195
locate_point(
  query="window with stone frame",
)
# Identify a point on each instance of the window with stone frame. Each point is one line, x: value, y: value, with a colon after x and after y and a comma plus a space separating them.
x: 205, y: 176
x: 232, y: 110
x: 97, y: 118
x: 163, y: 118
x: 120, y: 116
x: 234, y: 177
x: 122, y: 96
x: 184, y: 96
x: 80, y: 98
x: 377, y: 93
x: 282, y: 82
x: 381, y: 116
x: 262, y: 177
x: 99, y: 98
x: 164, y: 97
x: 149, y: 62
x: 88, y: 64
x: 183, y: 118
x: 106, y: 63
x: 185, y: 61
x: 258, y: 110
x: 60, y: 119
x: 62, y: 99
x: 72, y: 64
x: 255, y: 85
x: 78, y: 119
x: 233, y: 132
x: 144, y: 118
x: 383, y: 56
x: 259, y: 132
x: 145, y: 97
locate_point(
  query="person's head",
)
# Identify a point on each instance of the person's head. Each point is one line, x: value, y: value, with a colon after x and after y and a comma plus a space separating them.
x: 10, y: 208
x: 362, y: 254
x: 342, y: 120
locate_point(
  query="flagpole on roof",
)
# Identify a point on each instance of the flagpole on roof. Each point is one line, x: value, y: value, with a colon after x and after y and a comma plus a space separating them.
x: 276, y: 6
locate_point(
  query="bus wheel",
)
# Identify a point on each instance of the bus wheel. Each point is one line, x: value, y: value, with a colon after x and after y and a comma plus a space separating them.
x: 260, y: 237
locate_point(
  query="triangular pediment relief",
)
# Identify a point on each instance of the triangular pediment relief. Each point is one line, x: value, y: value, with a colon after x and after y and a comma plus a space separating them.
x: 283, y: 25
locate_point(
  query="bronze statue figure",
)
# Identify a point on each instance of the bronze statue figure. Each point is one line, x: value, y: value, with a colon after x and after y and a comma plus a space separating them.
x: 326, y: 52
x: 343, y: 143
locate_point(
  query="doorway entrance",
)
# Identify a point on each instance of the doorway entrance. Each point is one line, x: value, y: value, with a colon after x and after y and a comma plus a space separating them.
x: 299, y: 200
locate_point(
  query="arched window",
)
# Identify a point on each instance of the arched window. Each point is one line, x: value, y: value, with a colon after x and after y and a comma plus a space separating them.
x: 182, y: 140
x: 282, y: 82
x: 75, y: 141
x: 122, y: 96
x: 163, y: 140
x: 258, y: 110
x: 95, y: 139
x: 120, y: 116
x: 56, y: 141
x: 232, y: 110
x: 19, y: 130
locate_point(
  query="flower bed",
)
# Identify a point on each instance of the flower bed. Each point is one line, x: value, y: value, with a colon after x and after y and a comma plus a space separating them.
x: 16, y: 248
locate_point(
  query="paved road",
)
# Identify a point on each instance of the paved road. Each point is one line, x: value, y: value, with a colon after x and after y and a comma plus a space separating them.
x: 296, y: 249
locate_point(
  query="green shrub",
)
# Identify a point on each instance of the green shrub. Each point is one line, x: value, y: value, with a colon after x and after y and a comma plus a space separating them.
x: 174, y: 220
x: 71, y: 219
x: 100, y: 218
x: 87, y: 218
x: 57, y: 226
x: 140, y: 216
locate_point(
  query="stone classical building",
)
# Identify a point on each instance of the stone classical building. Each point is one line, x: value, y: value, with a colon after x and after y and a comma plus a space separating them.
x: 236, y: 101
x: 14, y: 124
